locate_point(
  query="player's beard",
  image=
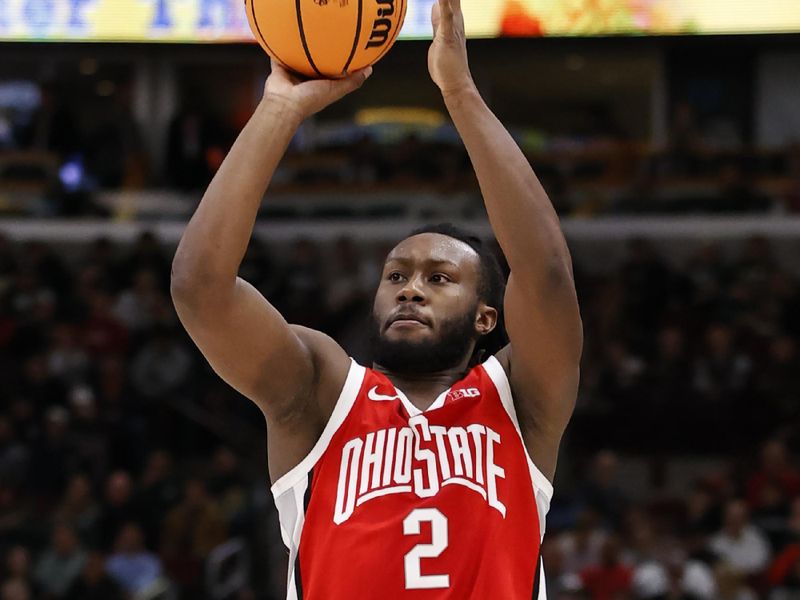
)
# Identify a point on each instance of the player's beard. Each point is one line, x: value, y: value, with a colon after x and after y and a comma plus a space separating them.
x: 428, y: 356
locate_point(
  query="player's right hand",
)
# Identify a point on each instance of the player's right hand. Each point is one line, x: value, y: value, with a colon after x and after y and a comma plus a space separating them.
x: 307, y: 97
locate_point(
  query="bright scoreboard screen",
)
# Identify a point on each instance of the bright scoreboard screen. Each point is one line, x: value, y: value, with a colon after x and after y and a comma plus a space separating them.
x: 225, y: 21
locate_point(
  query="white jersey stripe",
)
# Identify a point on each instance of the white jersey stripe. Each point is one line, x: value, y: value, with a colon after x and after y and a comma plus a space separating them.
x: 543, y: 489
x: 347, y: 398
x: 290, y: 490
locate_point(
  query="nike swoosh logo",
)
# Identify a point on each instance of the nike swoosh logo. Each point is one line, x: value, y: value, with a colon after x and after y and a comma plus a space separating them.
x: 374, y: 395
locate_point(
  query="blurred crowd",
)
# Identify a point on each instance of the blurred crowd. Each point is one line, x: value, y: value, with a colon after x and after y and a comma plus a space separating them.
x: 734, y: 535
x: 128, y: 470
x: 58, y: 157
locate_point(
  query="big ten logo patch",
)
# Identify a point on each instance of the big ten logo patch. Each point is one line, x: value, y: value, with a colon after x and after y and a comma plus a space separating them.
x: 462, y: 393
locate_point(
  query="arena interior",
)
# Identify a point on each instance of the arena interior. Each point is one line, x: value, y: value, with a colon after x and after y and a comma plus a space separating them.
x: 129, y: 470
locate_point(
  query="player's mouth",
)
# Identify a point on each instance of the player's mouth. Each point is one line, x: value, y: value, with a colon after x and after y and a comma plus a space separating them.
x: 407, y: 321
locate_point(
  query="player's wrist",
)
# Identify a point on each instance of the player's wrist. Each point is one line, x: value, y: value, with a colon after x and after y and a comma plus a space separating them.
x: 458, y: 95
x: 281, y: 108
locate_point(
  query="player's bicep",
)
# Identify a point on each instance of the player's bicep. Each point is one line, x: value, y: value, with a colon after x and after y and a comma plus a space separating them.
x: 250, y: 346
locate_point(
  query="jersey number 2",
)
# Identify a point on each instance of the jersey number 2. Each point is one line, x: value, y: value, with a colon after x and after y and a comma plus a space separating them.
x: 415, y: 580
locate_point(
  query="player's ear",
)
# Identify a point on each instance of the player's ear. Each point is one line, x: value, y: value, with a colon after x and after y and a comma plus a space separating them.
x: 485, y: 319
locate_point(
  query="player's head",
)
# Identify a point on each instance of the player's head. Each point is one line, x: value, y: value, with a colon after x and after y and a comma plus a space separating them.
x: 439, y: 301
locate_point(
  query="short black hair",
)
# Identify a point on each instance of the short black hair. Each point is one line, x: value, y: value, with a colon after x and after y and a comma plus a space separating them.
x: 491, y: 286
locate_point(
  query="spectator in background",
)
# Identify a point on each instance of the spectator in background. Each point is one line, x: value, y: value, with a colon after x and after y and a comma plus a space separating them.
x: 139, y: 306
x: 94, y: 583
x: 67, y: 359
x: 349, y: 280
x: 14, y: 455
x: 158, y: 492
x: 147, y: 254
x: 601, y: 492
x: 61, y: 563
x: 708, y: 275
x: 14, y: 589
x: 118, y: 508
x: 621, y: 378
x: 647, y: 282
x: 609, y: 578
x: 299, y: 300
x: 78, y: 508
x: 639, y: 536
x: 226, y: 484
x: 776, y: 383
x: 721, y: 379
x: 18, y: 567
x: 784, y: 573
x: 673, y: 576
x: 191, y: 530
x: 161, y: 368
x: 53, y: 460
x: 15, y: 515
x: 581, y: 546
x: 776, y: 470
x: 739, y: 544
x: 103, y: 333
x: 88, y: 433
x: 131, y: 565
x: 668, y: 383
x: 722, y: 372
x: 731, y: 584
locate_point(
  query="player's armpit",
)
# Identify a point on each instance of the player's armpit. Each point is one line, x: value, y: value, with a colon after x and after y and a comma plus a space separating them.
x: 250, y: 345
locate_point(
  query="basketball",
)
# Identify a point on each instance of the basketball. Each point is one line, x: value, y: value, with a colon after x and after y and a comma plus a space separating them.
x: 326, y: 38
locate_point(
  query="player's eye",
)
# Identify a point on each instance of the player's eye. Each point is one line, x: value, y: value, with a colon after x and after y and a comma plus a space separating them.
x: 439, y: 278
x: 394, y: 277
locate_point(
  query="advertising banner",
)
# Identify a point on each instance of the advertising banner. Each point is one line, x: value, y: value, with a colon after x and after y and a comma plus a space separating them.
x: 225, y: 21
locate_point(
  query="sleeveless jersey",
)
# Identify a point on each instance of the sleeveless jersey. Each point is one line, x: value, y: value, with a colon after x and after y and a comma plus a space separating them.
x: 393, y: 502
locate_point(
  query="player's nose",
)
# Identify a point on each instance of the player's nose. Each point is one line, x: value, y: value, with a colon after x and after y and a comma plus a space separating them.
x: 412, y: 291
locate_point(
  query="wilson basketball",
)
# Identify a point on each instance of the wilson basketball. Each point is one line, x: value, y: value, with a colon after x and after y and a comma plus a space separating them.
x: 326, y: 38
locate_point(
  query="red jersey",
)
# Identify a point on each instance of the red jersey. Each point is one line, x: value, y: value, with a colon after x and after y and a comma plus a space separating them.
x: 395, y: 502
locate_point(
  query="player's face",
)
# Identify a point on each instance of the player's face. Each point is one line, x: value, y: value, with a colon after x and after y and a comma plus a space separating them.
x: 427, y: 309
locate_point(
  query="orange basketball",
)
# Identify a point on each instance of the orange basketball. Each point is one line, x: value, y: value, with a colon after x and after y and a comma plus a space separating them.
x: 326, y: 38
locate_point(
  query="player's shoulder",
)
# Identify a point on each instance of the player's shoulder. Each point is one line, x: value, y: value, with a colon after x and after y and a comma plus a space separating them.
x: 503, y: 356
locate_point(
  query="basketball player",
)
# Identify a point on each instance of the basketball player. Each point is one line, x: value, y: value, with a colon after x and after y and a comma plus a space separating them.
x: 427, y: 475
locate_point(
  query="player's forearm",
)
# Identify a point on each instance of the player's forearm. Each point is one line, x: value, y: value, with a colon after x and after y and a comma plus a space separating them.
x: 216, y: 238
x: 521, y: 214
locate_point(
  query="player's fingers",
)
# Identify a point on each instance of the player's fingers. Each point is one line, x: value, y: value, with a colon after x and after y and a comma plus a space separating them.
x: 436, y: 17
x: 446, y: 11
x: 352, y: 82
x: 278, y: 70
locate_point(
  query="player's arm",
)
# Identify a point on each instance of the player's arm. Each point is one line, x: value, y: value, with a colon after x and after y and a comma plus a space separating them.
x: 246, y: 341
x: 541, y: 307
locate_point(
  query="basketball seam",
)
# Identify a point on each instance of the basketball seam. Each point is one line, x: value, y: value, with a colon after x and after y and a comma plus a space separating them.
x: 357, y: 37
x: 396, y: 32
x: 303, y: 38
x: 261, y: 35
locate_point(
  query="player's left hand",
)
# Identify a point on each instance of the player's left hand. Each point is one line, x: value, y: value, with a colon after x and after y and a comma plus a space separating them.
x: 447, y: 57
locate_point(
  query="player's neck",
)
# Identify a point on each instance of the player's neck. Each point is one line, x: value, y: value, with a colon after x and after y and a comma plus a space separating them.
x: 422, y: 389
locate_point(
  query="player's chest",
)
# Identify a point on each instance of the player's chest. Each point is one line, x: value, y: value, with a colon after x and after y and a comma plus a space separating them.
x: 461, y: 448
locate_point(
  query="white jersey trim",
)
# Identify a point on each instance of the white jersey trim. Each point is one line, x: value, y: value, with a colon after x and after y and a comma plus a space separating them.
x: 500, y: 380
x: 347, y: 397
